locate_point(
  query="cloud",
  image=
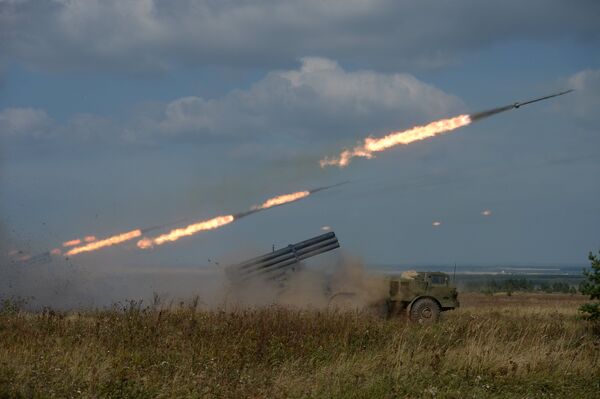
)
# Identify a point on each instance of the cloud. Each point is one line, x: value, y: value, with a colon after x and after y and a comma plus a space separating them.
x: 317, y: 101
x: 147, y: 36
x: 24, y: 122
x: 586, y: 99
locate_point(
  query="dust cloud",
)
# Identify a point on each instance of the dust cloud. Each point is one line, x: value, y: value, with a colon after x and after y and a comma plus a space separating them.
x: 336, y: 281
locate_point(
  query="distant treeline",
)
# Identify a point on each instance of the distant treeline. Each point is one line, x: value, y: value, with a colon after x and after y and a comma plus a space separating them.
x: 521, y: 284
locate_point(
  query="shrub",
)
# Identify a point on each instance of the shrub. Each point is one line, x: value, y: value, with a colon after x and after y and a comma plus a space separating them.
x: 591, y: 287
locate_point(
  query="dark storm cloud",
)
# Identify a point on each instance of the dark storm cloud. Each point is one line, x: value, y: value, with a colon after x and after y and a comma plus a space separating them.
x: 150, y: 35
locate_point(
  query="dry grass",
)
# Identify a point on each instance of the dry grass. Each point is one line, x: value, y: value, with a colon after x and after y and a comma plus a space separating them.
x: 530, y: 345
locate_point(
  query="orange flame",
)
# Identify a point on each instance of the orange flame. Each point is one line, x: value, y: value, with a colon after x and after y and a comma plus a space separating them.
x: 107, y: 242
x: 282, y: 199
x: 216, y: 222
x: 77, y: 241
x: 176, y: 234
x: 71, y: 243
x: 417, y: 133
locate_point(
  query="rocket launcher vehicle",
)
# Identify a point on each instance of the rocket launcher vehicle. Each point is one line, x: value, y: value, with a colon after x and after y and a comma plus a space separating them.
x: 277, y: 264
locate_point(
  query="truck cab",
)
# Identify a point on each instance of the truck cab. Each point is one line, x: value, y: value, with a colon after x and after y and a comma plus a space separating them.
x: 422, y: 295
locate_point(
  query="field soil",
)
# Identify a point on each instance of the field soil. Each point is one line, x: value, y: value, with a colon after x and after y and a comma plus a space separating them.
x: 522, y: 345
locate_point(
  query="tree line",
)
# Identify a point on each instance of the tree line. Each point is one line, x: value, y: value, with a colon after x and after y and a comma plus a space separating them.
x: 521, y: 284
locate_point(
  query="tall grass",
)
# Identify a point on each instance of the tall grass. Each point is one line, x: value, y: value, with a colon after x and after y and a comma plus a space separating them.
x: 494, y: 346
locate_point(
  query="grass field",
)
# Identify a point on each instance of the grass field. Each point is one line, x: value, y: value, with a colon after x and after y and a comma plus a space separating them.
x: 524, y: 345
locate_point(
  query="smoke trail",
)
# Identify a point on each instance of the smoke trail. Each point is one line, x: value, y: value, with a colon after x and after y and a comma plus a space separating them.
x: 484, y: 114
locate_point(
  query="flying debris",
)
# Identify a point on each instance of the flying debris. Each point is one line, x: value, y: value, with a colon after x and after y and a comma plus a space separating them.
x: 486, y: 212
x: 371, y: 145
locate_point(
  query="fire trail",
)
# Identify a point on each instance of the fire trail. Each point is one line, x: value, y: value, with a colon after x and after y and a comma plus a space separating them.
x: 191, y: 229
x: 371, y: 145
x: 223, y: 220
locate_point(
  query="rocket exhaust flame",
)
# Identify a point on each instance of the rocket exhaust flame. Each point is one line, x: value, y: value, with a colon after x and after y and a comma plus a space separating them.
x: 107, y: 242
x: 219, y: 221
x: 93, y: 244
x: 282, y: 199
x: 372, y: 145
x: 71, y: 243
x: 77, y: 241
x: 176, y: 234
x: 484, y: 114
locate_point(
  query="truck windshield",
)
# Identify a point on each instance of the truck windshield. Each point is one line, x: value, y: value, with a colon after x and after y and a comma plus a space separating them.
x: 438, y: 280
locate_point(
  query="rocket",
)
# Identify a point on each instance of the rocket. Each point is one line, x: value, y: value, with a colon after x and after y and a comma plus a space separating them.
x: 484, y: 114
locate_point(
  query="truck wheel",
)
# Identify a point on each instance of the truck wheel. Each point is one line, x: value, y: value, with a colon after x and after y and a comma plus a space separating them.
x: 425, y: 311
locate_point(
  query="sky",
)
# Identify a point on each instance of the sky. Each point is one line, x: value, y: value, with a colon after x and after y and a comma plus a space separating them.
x: 120, y: 115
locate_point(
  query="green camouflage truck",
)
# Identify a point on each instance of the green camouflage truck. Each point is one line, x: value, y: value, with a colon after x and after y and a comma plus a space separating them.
x: 421, y: 295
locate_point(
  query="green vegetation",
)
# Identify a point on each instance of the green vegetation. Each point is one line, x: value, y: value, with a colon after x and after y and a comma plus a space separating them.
x: 591, y: 287
x: 494, y: 346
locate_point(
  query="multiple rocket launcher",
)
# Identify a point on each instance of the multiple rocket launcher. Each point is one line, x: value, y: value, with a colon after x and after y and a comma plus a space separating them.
x: 277, y: 264
x: 366, y: 150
